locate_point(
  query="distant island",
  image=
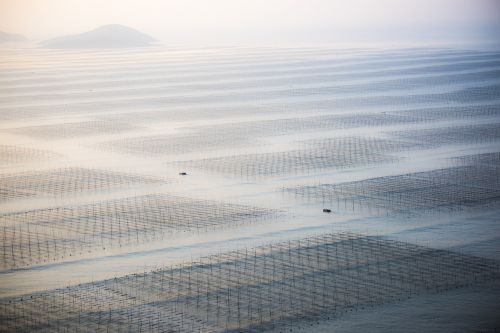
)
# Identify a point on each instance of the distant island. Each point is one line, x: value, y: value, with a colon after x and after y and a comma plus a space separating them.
x: 6, y: 37
x: 107, y: 36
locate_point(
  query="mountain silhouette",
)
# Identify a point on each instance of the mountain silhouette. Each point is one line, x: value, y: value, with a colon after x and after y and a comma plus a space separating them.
x: 8, y: 37
x: 107, y: 36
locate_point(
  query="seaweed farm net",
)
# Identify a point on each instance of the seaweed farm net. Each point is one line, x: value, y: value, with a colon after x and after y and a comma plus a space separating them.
x: 422, y: 114
x: 266, y: 288
x: 492, y: 159
x: 362, y: 145
x: 47, y: 235
x: 448, y: 189
x: 76, y: 129
x: 238, y: 134
x: 16, y: 154
x: 448, y: 113
x: 341, y: 152
x: 453, y: 134
x: 68, y: 180
x: 176, y: 143
x: 266, y: 128
x: 306, y: 99
x: 203, y: 138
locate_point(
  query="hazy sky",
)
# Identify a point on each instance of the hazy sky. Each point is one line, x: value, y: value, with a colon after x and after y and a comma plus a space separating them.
x: 260, y: 20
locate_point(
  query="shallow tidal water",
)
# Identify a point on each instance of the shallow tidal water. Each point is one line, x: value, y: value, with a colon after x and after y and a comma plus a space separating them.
x: 402, y: 144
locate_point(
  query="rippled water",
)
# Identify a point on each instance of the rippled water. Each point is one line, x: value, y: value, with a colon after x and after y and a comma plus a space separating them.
x: 267, y: 137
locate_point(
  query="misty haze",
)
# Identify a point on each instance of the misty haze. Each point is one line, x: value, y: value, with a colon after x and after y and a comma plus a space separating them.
x: 279, y: 166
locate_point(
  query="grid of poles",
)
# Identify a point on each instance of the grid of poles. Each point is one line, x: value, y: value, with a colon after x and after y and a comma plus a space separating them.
x: 221, y: 136
x: 74, y: 129
x: 244, y: 133
x: 313, y: 155
x: 447, y: 189
x: 492, y: 159
x: 160, y: 145
x: 49, y: 235
x: 17, y: 154
x: 454, y: 112
x: 482, y: 133
x: 273, y: 287
x: 416, y: 115
x: 69, y: 180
